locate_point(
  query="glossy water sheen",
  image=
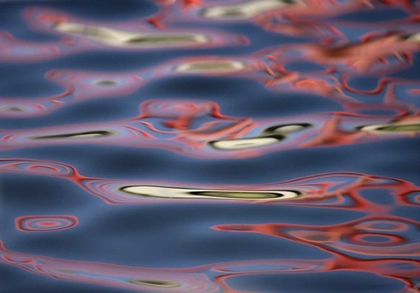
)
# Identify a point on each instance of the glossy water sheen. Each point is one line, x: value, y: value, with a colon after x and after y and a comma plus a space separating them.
x: 209, y: 146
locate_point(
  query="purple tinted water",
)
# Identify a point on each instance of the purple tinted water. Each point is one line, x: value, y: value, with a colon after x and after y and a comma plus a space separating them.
x: 209, y: 146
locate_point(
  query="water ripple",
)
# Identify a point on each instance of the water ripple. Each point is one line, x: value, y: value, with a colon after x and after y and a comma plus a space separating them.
x: 285, y: 60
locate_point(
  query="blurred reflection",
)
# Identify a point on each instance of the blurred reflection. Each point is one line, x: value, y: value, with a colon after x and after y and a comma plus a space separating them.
x: 247, y: 9
x: 216, y: 66
x: 399, y: 127
x: 113, y: 37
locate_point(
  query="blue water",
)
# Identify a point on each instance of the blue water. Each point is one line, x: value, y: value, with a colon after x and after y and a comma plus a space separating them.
x: 66, y: 223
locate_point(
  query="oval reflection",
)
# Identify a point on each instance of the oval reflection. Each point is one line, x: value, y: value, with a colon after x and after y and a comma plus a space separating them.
x: 246, y: 10
x: 392, y: 128
x: 156, y: 283
x: 215, y: 66
x: 77, y: 135
x: 184, y: 193
x: 245, y: 143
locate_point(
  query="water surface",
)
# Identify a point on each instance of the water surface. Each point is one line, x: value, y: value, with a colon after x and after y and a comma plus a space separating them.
x: 209, y: 146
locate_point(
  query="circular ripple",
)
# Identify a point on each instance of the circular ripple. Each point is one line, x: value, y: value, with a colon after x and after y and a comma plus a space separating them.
x: 376, y: 239
x: 44, y: 168
x: 383, y: 226
x: 45, y: 223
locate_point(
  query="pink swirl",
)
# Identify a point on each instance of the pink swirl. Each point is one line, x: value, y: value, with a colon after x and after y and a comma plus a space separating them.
x: 45, y: 223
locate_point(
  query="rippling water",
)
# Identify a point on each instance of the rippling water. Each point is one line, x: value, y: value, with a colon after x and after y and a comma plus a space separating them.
x: 209, y: 146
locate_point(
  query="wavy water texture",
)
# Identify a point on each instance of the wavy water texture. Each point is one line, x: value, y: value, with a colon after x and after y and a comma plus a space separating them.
x: 232, y: 146
x: 194, y: 279
x: 338, y: 190
x: 175, y: 125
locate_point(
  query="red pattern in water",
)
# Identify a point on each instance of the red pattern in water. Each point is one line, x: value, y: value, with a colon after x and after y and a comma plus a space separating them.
x: 45, y: 223
x: 378, y: 242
